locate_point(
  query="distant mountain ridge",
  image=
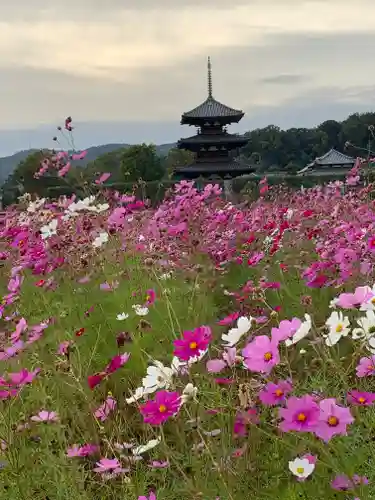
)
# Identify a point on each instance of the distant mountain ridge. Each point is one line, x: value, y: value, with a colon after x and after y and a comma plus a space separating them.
x: 9, y: 163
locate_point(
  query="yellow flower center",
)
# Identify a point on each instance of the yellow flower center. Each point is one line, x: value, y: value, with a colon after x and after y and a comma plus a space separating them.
x: 193, y: 345
x: 333, y: 421
x: 162, y: 408
x: 339, y: 328
x: 279, y: 392
x: 300, y: 470
x: 268, y: 356
x: 373, y: 300
x: 301, y: 417
x: 362, y: 400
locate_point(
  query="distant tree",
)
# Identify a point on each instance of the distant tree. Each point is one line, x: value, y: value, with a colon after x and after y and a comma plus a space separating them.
x: 23, y: 178
x: 177, y: 158
x: 141, y: 162
x: 332, y: 129
x: 107, y: 162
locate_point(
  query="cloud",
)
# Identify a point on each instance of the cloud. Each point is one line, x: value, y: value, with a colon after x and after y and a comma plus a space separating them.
x: 145, y: 61
x: 282, y: 79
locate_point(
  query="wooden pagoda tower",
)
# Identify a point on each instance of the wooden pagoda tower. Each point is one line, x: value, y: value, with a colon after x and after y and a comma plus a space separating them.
x: 214, y: 148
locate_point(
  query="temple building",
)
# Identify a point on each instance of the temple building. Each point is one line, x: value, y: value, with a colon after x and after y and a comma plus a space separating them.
x: 215, y: 149
x: 333, y: 162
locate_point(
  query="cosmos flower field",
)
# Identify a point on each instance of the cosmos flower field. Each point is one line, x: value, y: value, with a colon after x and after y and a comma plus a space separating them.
x: 197, y: 350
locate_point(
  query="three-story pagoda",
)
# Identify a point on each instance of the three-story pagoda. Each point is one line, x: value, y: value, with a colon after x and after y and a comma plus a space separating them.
x: 215, y: 149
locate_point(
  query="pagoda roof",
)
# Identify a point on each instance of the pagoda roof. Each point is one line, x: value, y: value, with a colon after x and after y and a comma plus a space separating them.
x: 212, y: 138
x: 220, y: 168
x: 211, y: 108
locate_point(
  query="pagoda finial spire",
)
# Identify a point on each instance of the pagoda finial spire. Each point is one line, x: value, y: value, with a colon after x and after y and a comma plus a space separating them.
x: 209, y: 77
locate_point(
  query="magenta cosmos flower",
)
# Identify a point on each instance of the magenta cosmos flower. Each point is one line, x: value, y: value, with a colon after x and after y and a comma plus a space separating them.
x: 261, y: 355
x: 193, y: 343
x: 274, y: 394
x: 366, y: 367
x: 361, y: 398
x: 333, y: 420
x: 300, y: 414
x: 165, y: 405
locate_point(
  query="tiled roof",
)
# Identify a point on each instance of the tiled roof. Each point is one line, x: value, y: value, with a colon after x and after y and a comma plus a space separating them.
x: 211, y: 108
x: 334, y: 157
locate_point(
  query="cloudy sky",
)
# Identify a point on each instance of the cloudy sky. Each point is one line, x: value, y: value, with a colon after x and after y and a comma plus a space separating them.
x: 126, y: 69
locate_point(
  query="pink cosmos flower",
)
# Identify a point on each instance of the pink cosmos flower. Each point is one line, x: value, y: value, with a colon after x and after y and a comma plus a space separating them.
x: 150, y: 297
x: 243, y: 419
x: 311, y: 458
x: 261, y: 355
x: 23, y: 377
x: 104, y: 177
x: 193, y: 343
x: 152, y: 496
x: 218, y: 365
x: 64, y: 347
x: 79, y: 156
x: 117, y: 362
x: 228, y: 320
x: 45, y: 416
x: 366, y: 367
x: 274, y: 394
x: 107, y: 464
x: 371, y: 243
x: 103, y: 412
x: 155, y: 464
x: 94, y: 380
x: 20, y: 328
x: 342, y: 483
x: 224, y: 381
x: 361, y: 398
x: 300, y: 414
x: 82, y: 451
x: 333, y: 420
x: 165, y: 405
x: 285, y: 330
x: 255, y: 258
x: 351, y: 300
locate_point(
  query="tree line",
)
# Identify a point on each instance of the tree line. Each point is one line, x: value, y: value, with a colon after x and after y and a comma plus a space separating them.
x: 269, y: 149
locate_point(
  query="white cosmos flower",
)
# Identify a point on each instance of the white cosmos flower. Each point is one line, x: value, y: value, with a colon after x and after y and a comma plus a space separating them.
x: 339, y: 326
x: 333, y: 303
x: 122, y: 316
x: 234, y: 334
x: 301, y: 467
x: 190, y: 392
x: 289, y: 214
x: 366, y: 326
x: 146, y: 447
x: 100, y: 240
x: 35, y: 205
x: 301, y: 333
x: 158, y: 376
x: 49, y: 230
x: 140, y: 310
x: 139, y: 393
x: 166, y: 276
x: 181, y: 367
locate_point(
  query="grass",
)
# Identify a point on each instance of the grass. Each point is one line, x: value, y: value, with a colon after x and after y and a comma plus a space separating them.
x: 35, y: 462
